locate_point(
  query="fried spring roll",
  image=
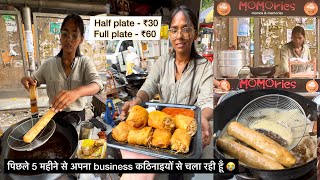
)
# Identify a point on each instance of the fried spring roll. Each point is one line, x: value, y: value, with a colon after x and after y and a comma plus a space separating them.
x: 160, y: 120
x: 138, y: 117
x: 180, y: 141
x: 247, y: 155
x: 187, y: 123
x: 121, y: 131
x: 161, y: 138
x: 36, y: 129
x: 176, y: 111
x: 261, y: 143
x: 140, y: 136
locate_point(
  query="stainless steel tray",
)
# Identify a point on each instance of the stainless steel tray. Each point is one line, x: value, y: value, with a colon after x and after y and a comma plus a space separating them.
x: 195, y: 145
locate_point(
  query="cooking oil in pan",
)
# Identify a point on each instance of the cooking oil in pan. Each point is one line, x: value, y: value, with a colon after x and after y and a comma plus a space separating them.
x: 55, y: 148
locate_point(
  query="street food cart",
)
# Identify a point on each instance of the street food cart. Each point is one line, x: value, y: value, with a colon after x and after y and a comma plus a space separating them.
x: 239, y: 46
x: 256, y: 30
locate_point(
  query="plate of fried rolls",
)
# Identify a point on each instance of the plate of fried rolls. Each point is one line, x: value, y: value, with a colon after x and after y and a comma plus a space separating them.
x: 170, y: 131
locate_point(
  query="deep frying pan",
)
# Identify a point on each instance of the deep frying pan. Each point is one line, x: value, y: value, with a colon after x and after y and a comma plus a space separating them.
x: 286, y: 174
x: 263, y: 71
x: 62, y: 126
x: 228, y: 109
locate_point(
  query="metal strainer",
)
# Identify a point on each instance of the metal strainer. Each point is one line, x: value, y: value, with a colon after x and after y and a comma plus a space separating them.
x: 277, y: 113
x: 15, y: 138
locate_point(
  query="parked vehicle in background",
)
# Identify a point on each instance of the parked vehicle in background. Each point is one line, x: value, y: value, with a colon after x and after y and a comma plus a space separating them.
x: 117, y: 51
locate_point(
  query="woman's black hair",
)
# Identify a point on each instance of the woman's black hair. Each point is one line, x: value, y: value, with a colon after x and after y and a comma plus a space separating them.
x: 79, y: 23
x: 192, y: 20
x: 298, y: 29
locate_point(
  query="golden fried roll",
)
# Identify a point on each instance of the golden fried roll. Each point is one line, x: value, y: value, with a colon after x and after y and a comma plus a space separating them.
x: 138, y: 117
x: 176, y: 111
x: 187, y: 123
x: 180, y: 141
x: 140, y: 136
x: 247, y: 155
x: 261, y: 143
x: 121, y: 131
x: 160, y: 120
x: 37, y: 128
x: 161, y: 138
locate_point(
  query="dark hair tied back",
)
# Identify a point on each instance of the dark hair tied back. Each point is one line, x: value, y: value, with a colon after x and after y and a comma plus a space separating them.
x: 192, y: 21
x: 298, y: 29
x: 79, y: 23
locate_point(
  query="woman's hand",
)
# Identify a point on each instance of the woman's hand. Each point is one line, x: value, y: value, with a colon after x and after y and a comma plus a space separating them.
x: 132, y: 155
x: 64, y: 99
x: 140, y: 176
x: 141, y: 96
x: 206, y: 115
x: 206, y: 132
x: 27, y: 81
x: 127, y: 106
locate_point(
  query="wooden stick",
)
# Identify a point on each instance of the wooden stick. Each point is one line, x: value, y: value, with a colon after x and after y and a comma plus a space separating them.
x: 33, y: 99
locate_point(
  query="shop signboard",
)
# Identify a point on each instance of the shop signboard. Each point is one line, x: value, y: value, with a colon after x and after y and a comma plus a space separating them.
x: 293, y: 85
x: 267, y: 8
